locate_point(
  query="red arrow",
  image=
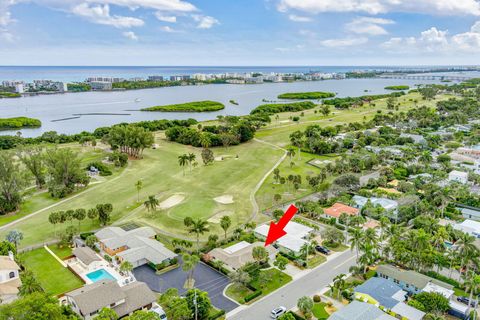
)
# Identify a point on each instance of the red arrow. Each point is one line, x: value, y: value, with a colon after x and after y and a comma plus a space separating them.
x: 276, y: 229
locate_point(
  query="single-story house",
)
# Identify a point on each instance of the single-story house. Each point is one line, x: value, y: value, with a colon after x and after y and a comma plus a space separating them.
x: 458, y: 176
x: 473, y: 152
x: 416, y: 138
x: 87, y: 257
x: 338, y: 208
x: 293, y: 241
x: 469, y: 226
x: 237, y: 255
x: 389, y: 295
x: 390, y: 206
x: 365, y: 178
x: 136, y: 246
x: 90, y: 299
x: 357, y: 310
x: 421, y: 176
x: 9, y: 279
x: 470, y: 213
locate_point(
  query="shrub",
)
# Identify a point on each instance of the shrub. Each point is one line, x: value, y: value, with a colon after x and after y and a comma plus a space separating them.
x: 253, y: 295
x: 85, y: 235
x: 216, y: 315
x: 102, y: 168
x: 317, y: 298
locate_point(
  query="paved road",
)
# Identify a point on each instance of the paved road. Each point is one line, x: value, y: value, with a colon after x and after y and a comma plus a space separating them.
x: 288, y: 295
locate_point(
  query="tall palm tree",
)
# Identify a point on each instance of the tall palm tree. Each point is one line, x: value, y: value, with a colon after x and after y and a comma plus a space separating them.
x: 188, y: 265
x: 356, y: 238
x: 291, y: 153
x: 472, y: 284
x: 183, y: 161
x: 151, y: 203
x: 191, y: 158
x: 339, y: 283
x: 225, y: 223
x: 466, y: 248
x: 198, y: 227
x: 138, y: 186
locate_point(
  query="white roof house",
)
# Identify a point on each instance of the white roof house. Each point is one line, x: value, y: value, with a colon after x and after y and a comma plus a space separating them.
x: 293, y: 240
x: 417, y: 138
x: 432, y: 287
x: 387, y: 204
x: 469, y: 226
x: 458, y: 176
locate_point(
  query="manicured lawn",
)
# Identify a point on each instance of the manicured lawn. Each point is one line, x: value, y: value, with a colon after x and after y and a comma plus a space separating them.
x: 53, y: 277
x: 319, y: 311
x: 340, y: 247
x: 238, y: 292
x: 316, y: 260
x: 62, y: 253
x: 460, y: 293
x: 277, y: 279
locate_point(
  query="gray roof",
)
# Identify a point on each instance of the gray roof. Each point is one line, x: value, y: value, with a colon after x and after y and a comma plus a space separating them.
x: 138, y: 295
x: 95, y: 296
x: 410, y: 277
x: 381, y: 290
x: 470, y: 211
x: 98, y: 295
x: 357, y: 310
x: 146, y: 248
x: 115, y: 237
x: 86, y: 255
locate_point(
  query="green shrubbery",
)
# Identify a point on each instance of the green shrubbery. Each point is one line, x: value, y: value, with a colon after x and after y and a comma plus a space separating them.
x: 19, y: 122
x: 102, y: 168
x: 9, y: 95
x: 345, y: 103
x: 283, y: 107
x: 397, y: 87
x: 252, y: 296
x: 197, y: 106
x: 306, y: 95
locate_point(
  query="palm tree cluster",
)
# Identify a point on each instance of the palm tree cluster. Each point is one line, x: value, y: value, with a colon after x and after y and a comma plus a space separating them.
x: 187, y: 159
x: 129, y: 139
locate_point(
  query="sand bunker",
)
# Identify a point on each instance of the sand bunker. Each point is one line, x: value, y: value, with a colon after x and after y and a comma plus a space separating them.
x: 225, y: 199
x: 284, y: 121
x: 216, y: 218
x: 172, y: 201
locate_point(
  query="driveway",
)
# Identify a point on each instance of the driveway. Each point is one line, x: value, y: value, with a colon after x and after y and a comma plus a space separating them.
x: 206, y: 279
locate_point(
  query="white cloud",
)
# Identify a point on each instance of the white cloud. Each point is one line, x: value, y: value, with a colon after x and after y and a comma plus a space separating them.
x: 368, y: 25
x: 438, y: 7
x: 167, y: 29
x: 345, y: 42
x: 438, y: 41
x: 296, y: 18
x: 130, y: 35
x: 205, y: 22
x: 101, y: 14
x: 161, y: 17
x: 160, y: 5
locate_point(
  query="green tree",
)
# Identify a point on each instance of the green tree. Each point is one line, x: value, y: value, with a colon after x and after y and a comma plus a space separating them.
x: 434, y: 302
x: 33, y: 159
x: 199, y: 302
x: 126, y: 267
x: 80, y: 215
x: 29, y: 284
x: 225, y: 223
x: 6, y: 247
x: 183, y: 161
x: 286, y: 316
x: 325, y: 110
x: 188, y: 265
x: 240, y: 277
x: 106, y: 314
x: 281, y: 262
x: 92, y: 214
x: 54, y: 218
x: 143, y: 315
x: 151, y: 203
x: 90, y: 241
x: 198, y: 227
x: 260, y: 254
x: 130, y: 139
x: 207, y: 156
x: 104, y: 211
x: 14, y: 236
x: 138, y: 186
x: 305, y: 305
x: 33, y: 306
x: 12, y: 182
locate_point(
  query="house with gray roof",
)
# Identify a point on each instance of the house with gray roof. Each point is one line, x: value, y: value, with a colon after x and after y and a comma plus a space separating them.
x: 470, y: 212
x: 390, y: 206
x: 86, y: 256
x: 136, y: 246
x: 357, y: 310
x: 90, y: 299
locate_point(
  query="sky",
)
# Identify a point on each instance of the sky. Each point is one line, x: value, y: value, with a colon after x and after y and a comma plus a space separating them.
x: 239, y: 32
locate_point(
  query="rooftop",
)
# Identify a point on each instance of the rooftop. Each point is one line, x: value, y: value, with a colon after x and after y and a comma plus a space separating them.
x: 239, y: 254
x: 357, y: 310
x: 385, y: 292
x: 410, y: 277
x: 86, y: 255
x: 338, y: 208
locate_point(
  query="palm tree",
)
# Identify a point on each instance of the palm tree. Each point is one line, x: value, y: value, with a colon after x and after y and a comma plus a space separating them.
x: 466, y: 248
x: 473, y: 283
x: 183, y: 161
x: 138, y: 186
x: 205, y: 141
x: 151, y: 204
x: 356, y: 238
x: 191, y: 158
x: 126, y: 267
x: 189, y: 263
x: 339, y: 283
x: 198, y: 227
x: 54, y: 218
x: 225, y: 223
x: 29, y: 284
x: 291, y: 153
x: 14, y: 237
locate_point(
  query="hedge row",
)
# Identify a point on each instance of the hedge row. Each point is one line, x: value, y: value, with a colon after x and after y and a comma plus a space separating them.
x: 217, y: 315
x: 253, y: 295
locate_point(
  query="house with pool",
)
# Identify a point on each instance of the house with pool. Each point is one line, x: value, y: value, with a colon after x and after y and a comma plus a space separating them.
x: 137, y: 246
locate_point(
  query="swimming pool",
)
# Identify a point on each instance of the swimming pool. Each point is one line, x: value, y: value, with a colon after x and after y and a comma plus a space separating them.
x: 100, y: 274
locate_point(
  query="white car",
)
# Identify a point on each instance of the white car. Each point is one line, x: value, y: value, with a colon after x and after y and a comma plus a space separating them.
x: 277, y: 312
x: 159, y: 310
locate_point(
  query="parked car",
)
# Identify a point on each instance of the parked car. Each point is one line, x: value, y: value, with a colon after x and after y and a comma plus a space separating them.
x: 322, y: 249
x: 465, y: 300
x: 159, y: 311
x: 277, y: 312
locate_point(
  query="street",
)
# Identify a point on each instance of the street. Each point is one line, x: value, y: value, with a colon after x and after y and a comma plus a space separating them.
x: 288, y: 295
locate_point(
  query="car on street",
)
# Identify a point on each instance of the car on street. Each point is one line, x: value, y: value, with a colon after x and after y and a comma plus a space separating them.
x: 277, y: 312
x: 466, y: 301
x: 322, y: 249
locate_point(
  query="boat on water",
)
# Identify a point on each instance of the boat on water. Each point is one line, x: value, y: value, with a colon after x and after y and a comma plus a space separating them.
x: 138, y: 100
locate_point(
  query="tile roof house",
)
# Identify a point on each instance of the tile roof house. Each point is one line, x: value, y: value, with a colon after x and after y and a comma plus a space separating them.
x: 9, y: 279
x: 293, y: 241
x: 90, y: 299
x: 357, y: 310
x: 86, y: 256
x: 135, y: 246
x: 388, y: 295
x: 239, y: 254
x: 338, y: 208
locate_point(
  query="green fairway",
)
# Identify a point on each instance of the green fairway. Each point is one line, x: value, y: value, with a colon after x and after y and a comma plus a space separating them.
x: 163, y: 177
x: 53, y: 277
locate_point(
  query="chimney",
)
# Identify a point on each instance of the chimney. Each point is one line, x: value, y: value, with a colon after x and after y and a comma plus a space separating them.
x: 10, y: 255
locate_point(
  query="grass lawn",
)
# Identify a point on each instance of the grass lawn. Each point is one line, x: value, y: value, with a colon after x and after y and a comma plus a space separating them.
x: 460, y: 293
x: 316, y: 260
x: 163, y: 177
x: 53, y: 277
x: 339, y: 248
x: 62, y: 253
x: 319, y: 311
x: 276, y: 278
x: 238, y: 292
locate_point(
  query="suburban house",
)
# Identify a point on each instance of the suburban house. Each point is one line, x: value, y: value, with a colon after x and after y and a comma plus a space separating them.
x: 87, y: 257
x: 9, y: 279
x: 293, y: 241
x: 338, y: 208
x: 470, y: 212
x: 237, y: 255
x: 382, y: 292
x: 416, y: 138
x: 473, y: 152
x: 458, y: 176
x: 136, y: 246
x: 357, y: 310
x: 365, y: 178
x: 90, y: 299
x: 413, y: 283
x: 470, y: 227
x: 390, y: 206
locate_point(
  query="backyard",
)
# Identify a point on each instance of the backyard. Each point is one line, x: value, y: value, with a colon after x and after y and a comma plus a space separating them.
x: 53, y: 277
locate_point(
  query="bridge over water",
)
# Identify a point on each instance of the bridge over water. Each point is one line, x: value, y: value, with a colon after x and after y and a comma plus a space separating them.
x: 427, y: 77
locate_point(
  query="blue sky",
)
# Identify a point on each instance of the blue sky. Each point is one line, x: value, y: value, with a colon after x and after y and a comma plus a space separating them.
x: 239, y: 32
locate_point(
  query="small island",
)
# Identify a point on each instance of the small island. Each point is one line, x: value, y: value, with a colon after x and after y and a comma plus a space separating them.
x: 9, y: 95
x: 283, y: 107
x: 234, y: 102
x: 402, y: 87
x: 306, y: 95
x: 19, y: 123
x: 196, y: 106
